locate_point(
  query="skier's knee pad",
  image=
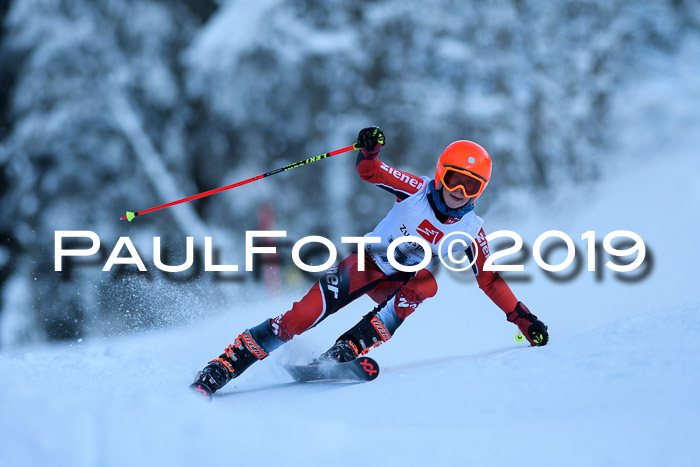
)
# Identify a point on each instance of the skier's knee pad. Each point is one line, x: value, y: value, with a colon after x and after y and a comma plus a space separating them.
x: 421, y: 287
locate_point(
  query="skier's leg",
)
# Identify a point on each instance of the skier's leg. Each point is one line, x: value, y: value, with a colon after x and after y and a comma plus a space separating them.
x: 250, y: 346
x: 339, y: 286
x: 400, y: 299
x: 406, y: 300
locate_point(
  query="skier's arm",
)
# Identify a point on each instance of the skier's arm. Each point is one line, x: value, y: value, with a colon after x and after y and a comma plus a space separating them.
x: 491, y: 282
x: 371, y: 169
x: 498, y: 291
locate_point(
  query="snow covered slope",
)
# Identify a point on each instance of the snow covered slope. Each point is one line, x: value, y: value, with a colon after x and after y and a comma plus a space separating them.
x: 617, y: 385
x: 621, y: 394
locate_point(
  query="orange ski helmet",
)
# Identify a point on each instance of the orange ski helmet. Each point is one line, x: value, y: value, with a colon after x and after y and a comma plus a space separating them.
x: 463, y: 165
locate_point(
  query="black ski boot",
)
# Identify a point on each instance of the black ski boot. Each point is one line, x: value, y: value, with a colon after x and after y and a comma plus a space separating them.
x: 370, y: 332
x: 212, y: 378
x: 342, y: 351
x: 250, y: 346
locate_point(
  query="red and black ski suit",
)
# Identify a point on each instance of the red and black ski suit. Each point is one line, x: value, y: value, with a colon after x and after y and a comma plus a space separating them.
x: 402, y: 292
x: 398, y: 294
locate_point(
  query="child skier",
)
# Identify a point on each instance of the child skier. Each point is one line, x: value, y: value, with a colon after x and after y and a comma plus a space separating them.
x: 427, y: 208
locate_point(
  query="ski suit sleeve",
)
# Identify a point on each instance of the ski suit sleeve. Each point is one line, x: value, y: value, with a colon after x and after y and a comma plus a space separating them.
x: 400, y: 184
x: 491, y: 282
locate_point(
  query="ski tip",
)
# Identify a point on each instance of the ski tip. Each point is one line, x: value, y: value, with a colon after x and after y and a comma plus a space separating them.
x: 369, y: 367
x: 360, y: 370
x: 202, y: 390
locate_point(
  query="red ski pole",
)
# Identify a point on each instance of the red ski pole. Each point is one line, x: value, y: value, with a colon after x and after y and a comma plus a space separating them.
x: 130, y: 215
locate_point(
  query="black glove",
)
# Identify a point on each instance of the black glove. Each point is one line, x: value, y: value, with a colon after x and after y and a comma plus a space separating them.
x: 370, y: 140
x: 537, y: 333
x: 532, y: 328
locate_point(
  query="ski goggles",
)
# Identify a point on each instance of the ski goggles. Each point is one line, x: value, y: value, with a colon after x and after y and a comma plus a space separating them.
x: 455, y: 178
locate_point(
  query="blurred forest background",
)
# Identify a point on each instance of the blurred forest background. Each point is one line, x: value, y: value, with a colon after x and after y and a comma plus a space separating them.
x: 115, y: 105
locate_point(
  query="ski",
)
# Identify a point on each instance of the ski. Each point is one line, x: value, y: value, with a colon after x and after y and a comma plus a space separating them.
x: 359, y: 370
x: 202, y: 390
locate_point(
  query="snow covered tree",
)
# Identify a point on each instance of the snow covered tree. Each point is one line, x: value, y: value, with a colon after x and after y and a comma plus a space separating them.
x: 108, y: 105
